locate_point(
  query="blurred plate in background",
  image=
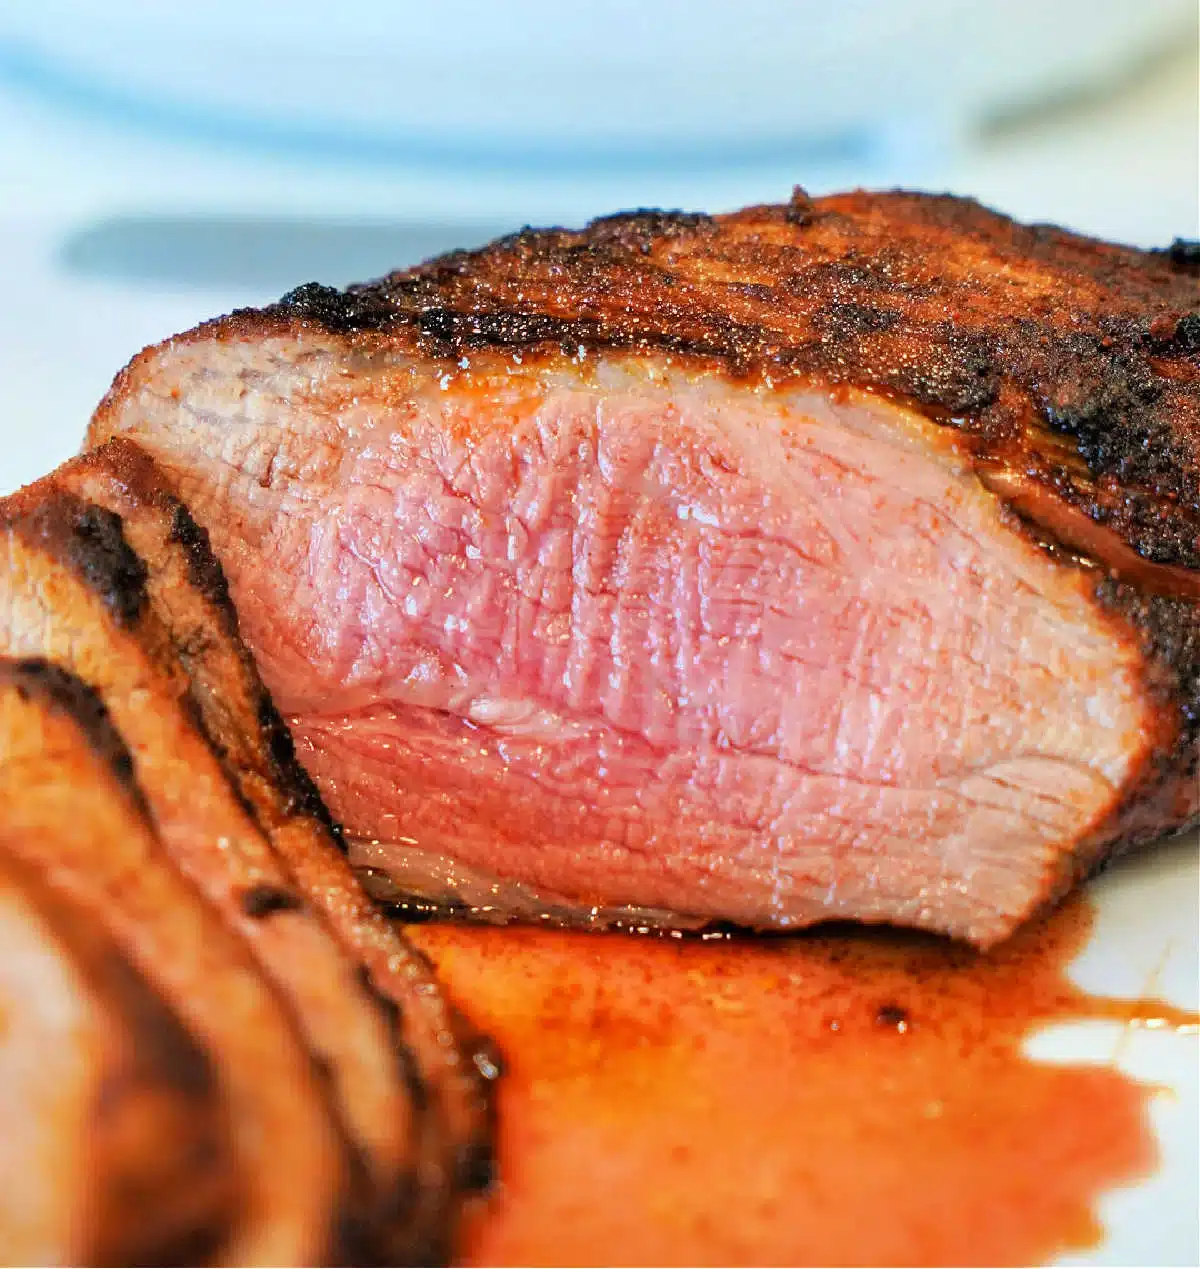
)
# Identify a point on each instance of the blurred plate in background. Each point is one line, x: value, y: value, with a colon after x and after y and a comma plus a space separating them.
x: 540, y: 86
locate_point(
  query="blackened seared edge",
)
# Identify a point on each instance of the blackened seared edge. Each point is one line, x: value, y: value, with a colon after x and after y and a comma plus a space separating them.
x: 36, y: 679
x: 1183, y: 254
x: 1076, y: 360
x: 275, y: 740
x: 475, y: 1168
x: 264, y: 900
x: 144, y: 489
x: 1167, y: 797
x: 89, y: 540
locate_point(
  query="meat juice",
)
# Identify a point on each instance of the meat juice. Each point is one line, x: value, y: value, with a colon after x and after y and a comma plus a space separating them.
x: 843, y: 1097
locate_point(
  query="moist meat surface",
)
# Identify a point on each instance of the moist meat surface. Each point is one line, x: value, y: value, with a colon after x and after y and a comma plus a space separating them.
x: 831, y: 559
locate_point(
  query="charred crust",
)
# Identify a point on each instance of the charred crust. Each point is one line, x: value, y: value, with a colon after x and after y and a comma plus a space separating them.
x: 289, y: 776
x: 473, y: 1166
x: 276, y: 746
x: 206, y: 575
x: 476, y: 1172
x: 1169, y: 629
x: 799, y: 209
x: 389, y: 1010
x: 1183, y: 255
x: 892, y: 1017
x: 139, y: 487
x: 35, y: 678
x: 1187, y: 333
x: 90, y: 542
x: 199, y: 1246
x: 476, y: 1169
x: 343, y: 311
x: 407, y: 1205
x: 189, y: 703
x: 638, y: 230
x: 506, y: 329
x: 98, y: 550
x: 1020, y: 336
x: 356, y: 1235
x: 204, y: 571
x: 266, y: 900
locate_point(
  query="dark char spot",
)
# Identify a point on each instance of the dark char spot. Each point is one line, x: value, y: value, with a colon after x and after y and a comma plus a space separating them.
x: 35, y: 676
x: 262, y: 901
x: 1183, y: 254
x: 893, y: 1016
x: 799, y: 210
x: 476, y: 1170
x: 1187, y: 333
x: 344, y: 311
x: 204, y: 572
x: 389, y: 1010
x: 97, y: 550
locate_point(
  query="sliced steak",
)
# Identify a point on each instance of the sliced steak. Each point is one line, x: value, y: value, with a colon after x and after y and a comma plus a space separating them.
x: 75, y: 593
x: 835, y: 559
x: 73, y: 812
x: 187, y: 593
x: 116, y: 1145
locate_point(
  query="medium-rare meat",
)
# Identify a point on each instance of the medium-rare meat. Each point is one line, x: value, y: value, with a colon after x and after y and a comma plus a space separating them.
x: 828, y: 560
x: 75, y: 593
x: 187, y: 593
x: 73, y: 811
x: 115, y: 1145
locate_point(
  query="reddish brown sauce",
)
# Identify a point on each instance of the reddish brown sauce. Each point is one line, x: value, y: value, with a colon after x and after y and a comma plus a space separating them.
x: 846, y: 1097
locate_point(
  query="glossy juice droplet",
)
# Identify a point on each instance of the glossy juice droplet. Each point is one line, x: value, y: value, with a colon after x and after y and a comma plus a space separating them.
x: 845, y: 1097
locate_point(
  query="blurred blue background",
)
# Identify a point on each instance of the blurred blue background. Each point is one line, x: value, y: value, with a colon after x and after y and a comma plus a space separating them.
x: 160, y: 163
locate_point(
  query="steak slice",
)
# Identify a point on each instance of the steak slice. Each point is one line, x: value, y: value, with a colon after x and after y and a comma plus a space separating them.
x: 127, y: 655
x: 116, y: 1148
x: 73, y: 812
x: 186, y: 592
x: 829, y: 560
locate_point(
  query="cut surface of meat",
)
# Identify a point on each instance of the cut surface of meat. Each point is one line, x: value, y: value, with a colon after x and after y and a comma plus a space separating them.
x: 127, y: 655
x: 832, y: 560
x: 116, y: 1147
x: 73, y: 812
x: 186, y: 592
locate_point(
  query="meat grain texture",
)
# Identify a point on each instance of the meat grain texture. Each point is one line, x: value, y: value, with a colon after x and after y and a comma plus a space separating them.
x: 835, y: 559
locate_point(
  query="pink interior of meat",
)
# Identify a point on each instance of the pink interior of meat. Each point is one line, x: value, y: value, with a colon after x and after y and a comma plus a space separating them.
x: 655, y: 640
